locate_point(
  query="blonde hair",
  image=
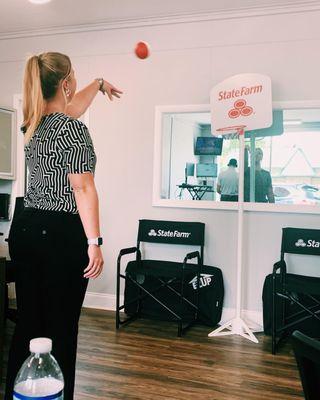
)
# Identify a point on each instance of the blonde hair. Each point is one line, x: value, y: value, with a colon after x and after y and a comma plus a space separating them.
x: 42, y: 76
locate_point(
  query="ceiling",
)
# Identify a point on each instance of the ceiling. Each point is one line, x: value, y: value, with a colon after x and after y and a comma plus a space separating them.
x: 23, y: 16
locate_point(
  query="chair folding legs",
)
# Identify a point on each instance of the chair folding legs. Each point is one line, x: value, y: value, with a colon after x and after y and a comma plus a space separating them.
x: 177, y: 317
x: 285, y: 321
x: 144, y: 292
x: 118, y: 297
x: 274, y: 328
x: 190, y: 256
x: 123, y: 252
x: 120, y: 322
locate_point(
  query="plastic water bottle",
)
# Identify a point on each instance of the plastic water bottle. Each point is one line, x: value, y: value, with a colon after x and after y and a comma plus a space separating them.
x: 40, y: 376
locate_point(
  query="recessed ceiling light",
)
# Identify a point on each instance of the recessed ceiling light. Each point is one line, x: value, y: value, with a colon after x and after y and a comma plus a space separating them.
x: 39, y: 1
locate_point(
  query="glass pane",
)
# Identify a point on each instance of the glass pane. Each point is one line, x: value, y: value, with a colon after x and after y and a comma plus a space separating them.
x: 286, y: 166
x: 192, y: 159
x: 5, y: 141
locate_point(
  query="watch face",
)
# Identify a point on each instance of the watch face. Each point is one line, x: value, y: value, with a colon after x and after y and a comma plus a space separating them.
x: 100, y: 241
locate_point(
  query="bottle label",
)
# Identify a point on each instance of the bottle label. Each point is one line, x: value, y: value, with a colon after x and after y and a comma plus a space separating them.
x: 57, y: 396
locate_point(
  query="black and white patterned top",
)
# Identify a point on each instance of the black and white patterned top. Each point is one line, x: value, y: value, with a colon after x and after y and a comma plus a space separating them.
x: 60, y: 145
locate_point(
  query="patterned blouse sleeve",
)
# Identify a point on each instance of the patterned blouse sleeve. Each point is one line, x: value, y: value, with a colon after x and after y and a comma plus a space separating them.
x: 77, y: 147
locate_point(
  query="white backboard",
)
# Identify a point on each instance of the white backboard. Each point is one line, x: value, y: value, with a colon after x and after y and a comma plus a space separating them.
x: 243, y: 99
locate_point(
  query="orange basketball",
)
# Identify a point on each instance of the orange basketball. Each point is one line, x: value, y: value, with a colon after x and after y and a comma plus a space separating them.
x: 142, y: 50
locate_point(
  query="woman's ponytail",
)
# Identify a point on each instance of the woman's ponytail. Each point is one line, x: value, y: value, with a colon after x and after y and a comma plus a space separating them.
x: 42, y: 78
x: 33, y: 102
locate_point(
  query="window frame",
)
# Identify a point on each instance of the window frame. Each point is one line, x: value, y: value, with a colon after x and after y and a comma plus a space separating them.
x: 11, y: 175
x: 219, y: 205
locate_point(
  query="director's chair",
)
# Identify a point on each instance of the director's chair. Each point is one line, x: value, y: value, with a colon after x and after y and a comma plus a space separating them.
x: 294, y: 289
x: 307, y: 354
x: 168, y: 280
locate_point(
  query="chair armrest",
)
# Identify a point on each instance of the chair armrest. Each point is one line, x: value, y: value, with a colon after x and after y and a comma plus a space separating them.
x: 127, y: 250
x: 190, y: 256
x: 279, y: 265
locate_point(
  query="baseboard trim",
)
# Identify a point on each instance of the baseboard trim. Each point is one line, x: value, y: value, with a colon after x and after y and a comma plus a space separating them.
x: 101, y: 301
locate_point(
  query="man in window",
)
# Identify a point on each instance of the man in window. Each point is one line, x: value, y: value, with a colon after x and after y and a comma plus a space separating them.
x: 263, y: 181
x: 227, y: 185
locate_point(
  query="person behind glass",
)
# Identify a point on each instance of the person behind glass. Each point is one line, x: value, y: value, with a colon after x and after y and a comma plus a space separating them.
x: 55, y: 242
x: 228, y: 182
x: 263, y: 180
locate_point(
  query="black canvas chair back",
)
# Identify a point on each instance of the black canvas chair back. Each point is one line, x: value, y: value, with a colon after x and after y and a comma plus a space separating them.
x: 296, y: 297
x: 171, y: 232
x: 307, y: 353
x: 300, y: 241
x: 165, y: 274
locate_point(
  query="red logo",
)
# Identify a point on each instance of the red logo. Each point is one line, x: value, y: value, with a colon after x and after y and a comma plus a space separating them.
x: 240, y: 108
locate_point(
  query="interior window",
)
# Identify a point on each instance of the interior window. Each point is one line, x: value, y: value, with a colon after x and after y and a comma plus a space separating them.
x: 285, y: 165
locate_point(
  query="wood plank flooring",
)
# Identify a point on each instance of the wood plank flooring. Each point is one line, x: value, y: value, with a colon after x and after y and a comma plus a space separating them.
x: 146, y: 361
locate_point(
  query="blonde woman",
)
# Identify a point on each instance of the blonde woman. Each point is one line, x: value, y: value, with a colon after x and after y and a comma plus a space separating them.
x: 55, y: 242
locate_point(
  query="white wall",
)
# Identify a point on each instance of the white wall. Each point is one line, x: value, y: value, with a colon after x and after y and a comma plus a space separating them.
x: 187, y: 59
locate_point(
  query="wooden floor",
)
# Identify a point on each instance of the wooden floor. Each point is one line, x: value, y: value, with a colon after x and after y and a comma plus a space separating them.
x: 145, y: 360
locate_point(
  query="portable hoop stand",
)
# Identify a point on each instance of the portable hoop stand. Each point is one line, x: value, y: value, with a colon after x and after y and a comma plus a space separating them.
x: 237, y: 325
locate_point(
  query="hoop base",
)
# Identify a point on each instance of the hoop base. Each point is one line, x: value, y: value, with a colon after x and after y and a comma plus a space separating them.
x: 236, y: 326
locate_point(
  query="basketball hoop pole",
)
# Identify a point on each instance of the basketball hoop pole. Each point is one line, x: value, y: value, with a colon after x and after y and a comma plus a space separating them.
x: 237, y: 325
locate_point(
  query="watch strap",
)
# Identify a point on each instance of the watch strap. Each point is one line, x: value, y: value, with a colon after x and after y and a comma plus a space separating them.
x: 98, y: 241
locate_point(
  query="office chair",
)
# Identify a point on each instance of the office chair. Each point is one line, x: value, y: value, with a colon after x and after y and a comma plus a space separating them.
x: 7, y: 275
x: 161, y: 282
x: 294, y: 289
x: 2, y: 308
x: 307, y: 353
x: 11, y: 313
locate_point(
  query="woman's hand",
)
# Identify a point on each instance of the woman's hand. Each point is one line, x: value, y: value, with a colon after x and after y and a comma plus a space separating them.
x: 95, y: 265
x: 111, y: 90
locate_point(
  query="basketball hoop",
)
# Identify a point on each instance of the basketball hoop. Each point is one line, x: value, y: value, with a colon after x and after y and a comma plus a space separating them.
x: 245, y: 100
x: 234, y: 131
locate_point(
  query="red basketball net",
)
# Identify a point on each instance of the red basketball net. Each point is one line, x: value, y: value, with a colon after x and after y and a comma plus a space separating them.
x: 239, y: 129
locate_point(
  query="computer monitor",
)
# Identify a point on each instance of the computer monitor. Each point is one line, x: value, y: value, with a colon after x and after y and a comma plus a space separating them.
x: 207, y: 170
x: 188, y: 171
x: 208, y: 146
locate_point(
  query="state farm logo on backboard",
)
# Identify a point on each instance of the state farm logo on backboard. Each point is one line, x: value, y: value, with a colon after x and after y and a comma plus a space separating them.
x: 240, y: 108
x: 243, y: 99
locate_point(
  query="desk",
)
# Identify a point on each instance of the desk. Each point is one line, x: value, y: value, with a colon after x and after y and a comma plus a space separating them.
x: 196, y: 191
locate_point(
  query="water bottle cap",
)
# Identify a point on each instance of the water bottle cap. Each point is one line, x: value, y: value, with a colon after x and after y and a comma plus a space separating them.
x: 40, y: 345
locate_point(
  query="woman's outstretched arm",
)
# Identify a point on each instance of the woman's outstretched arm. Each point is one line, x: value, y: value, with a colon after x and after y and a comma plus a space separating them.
x: 82, y: 99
